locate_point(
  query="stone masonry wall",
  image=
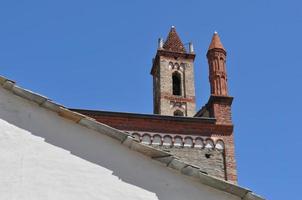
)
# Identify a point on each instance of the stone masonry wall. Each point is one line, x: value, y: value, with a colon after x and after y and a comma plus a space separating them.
x: 210, y: 161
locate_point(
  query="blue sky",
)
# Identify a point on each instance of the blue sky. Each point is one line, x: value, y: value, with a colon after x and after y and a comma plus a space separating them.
x: 97, y: 55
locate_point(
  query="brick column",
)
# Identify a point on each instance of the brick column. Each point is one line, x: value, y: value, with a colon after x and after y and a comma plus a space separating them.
x: 230, y: 161
x: 220, y: 108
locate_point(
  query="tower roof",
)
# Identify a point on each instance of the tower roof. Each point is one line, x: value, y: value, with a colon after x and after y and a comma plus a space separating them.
x: 216, y: 43
x: 173, y: 42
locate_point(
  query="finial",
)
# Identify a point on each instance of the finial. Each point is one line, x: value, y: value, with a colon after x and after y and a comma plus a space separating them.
x: 215, y: 32
x: 191, y: 48
x: 172, y: 26
x: 160, y: 43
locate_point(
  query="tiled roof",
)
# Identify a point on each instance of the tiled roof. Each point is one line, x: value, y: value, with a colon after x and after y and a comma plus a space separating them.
x: 129, y: 141
x: 173, y: 42
x: 216, y: 43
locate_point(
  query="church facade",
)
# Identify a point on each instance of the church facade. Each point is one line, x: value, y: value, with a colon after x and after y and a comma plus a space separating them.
x: 203, y: 138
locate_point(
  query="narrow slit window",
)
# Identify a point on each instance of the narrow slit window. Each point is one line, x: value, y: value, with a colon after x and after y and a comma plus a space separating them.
x: 176, y: 79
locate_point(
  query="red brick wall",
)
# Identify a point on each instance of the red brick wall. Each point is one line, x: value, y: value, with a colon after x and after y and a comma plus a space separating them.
x: 230, y: 161
x: 222, y: 113
x: 164, y: 126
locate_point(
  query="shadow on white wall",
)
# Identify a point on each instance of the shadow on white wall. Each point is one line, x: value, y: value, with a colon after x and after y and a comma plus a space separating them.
x: 46, y: 156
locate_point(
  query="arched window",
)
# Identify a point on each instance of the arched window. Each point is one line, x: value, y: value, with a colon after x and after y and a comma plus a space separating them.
x: 178, y: 113
x: 176, y: 79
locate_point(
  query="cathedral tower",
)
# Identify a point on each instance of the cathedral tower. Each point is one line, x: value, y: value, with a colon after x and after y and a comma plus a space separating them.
x: 173, y: 77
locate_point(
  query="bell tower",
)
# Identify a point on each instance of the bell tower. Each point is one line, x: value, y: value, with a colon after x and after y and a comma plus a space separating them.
x: 173, y: 77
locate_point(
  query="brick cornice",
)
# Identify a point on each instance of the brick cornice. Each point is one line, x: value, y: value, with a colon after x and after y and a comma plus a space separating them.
x: 160, y: 123
x: 220, y: 99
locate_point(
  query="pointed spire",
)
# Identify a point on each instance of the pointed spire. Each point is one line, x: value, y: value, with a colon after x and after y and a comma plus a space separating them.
x: 173, y: 42
x: 216, y: 43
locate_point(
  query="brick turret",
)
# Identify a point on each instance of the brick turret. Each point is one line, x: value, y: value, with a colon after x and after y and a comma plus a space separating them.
x: 216, y: 58
x: 220, y: 102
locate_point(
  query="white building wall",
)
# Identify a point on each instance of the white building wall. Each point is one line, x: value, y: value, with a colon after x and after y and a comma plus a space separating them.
x: 44, y: 156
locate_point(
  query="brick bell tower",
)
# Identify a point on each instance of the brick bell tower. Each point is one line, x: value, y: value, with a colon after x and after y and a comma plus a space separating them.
x: 173, y: 77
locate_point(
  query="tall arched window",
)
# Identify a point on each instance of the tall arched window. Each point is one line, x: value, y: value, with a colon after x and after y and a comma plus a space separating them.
x: 176, y: 79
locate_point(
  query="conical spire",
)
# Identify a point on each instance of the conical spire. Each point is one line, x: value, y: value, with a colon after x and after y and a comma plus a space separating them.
x: 216, y: 43
x: 173, y: 42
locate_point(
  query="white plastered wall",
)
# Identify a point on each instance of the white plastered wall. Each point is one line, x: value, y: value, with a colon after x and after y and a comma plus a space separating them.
x: 44, y: 156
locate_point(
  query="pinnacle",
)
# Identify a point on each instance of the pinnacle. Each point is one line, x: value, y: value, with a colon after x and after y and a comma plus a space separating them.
x: 216, y: 43
x: 173, y: 42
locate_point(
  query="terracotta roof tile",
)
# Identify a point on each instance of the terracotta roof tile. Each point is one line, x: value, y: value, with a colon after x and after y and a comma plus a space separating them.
x: 173, y: 42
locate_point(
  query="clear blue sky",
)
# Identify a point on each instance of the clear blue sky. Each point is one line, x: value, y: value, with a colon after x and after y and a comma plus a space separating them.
x: 97, y: 55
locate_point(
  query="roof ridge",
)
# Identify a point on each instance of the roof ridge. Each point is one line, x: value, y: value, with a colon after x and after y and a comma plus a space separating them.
x: 166, y: 158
